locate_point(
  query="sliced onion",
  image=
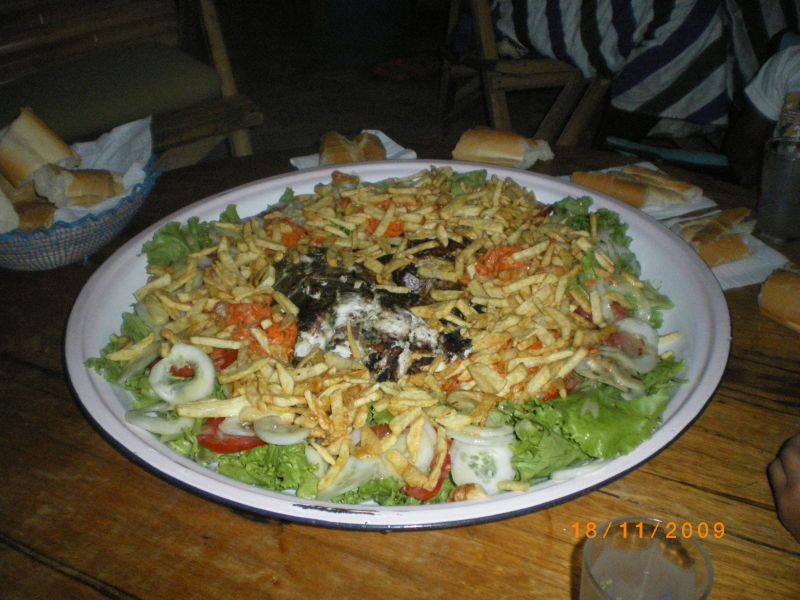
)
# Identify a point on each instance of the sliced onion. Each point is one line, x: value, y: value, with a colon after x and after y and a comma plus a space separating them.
x: 484, y: 436
x: 273, y: 431
x: 646, y: 361
x: 233, y: 426
x: 155, y: 424
x: 605, y: 370
x: 133, y: 367
x: 198, y: 387
x: 355, y: 473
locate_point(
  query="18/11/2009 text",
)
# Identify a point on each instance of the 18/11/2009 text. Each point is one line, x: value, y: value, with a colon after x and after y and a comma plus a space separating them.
x: 669, y: 529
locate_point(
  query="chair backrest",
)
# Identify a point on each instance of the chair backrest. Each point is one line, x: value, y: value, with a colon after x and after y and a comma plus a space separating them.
x: 574, y: 115
x: 36, y: 33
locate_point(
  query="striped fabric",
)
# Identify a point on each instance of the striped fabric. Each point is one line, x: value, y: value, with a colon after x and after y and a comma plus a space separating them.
x: 684, y: 61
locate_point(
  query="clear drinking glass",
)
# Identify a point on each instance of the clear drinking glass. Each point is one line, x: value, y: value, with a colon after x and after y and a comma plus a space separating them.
x: 640, y: 558
x: 778, y: 210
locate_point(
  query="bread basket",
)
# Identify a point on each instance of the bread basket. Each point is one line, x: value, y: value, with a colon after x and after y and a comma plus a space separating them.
x: 67, y: 243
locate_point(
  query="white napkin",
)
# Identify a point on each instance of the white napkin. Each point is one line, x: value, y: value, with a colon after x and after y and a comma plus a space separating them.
x: 126, y: 150
x: 750, y: 270
x: 394, y: 151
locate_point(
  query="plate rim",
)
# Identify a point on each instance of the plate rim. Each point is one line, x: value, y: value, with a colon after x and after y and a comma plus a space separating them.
x: 86, y: 385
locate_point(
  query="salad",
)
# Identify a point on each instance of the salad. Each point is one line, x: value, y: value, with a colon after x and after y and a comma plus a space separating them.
x: 433, y: 338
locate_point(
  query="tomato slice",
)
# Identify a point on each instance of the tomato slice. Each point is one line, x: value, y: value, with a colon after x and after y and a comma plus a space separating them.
x: 212, y: 438
x: 620, y: 312
x: 424, y: 495
x: 628, y: 343
x: 186, y: 371
x: 571, y: 382
x: 223, y: 357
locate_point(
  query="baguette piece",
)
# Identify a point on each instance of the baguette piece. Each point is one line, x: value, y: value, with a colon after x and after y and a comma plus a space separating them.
x: 724, y: 249
x: 35, y: 214
x: 640, y: 187
x: 779, y: 298
x: 23, y: 193
x: 629, y: 188
x: 87, y: 187
x: 27, y: 144
x: 337, y: 149
x: 689, y: 192
x: 719, y: 238
x: 629, y: 192
x: 501, y: 147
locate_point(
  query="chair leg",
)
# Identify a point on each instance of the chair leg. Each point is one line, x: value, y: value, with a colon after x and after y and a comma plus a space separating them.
x: 496, y: 103
x: 553, y: 122
x: 584, y: 122
x: 240, y: 141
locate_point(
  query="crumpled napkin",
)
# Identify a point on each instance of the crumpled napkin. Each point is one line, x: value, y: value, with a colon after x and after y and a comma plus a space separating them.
x: 394, y: 151
x: 753, y: 269
x: 126, y: 150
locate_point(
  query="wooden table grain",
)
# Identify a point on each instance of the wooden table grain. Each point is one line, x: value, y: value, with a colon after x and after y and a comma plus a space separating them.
x: 80, y: 520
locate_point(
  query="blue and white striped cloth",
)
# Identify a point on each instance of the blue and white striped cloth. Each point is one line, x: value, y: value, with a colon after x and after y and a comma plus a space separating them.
x: 684, y: 61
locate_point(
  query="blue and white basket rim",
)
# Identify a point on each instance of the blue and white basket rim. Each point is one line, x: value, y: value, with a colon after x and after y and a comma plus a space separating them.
x: 139, y: 191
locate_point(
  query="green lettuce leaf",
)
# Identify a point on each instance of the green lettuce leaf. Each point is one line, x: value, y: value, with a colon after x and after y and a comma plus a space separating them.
x: 461, y: 183
x: 594, y: 422
x: 110, y: 370
x: 538, y: 452
x: 134, y: 327
x: 273, y: 467
x: 386, y: 492
x: 658, y: 304
x: 229, y: 215
x: 174, y: 242
x: 575, y: 213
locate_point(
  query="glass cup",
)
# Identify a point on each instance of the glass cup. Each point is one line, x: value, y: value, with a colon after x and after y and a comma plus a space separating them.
x: 641, y: 558
x: 778, y: 210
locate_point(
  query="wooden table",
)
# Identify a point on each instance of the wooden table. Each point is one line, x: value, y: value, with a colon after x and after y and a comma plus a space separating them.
x: 77, y: 519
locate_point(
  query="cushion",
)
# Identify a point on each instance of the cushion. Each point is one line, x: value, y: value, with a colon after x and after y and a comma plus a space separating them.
x: 90, y: 95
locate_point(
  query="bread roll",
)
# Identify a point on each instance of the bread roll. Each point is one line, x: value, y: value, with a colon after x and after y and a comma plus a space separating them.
x: 630, y: 192
x: 27, y: 144
x: 500, y: 147
x: 369, y: 147
x: 629, y: 188
x: 779, y: 298
x: 689, y: 192
x: 35, y: 214
x: 337, y: 149
x: 23, y: 193
x: 9, y: 219
x: 64, y: 187
x: 724, y: 249
x: 718, y: 238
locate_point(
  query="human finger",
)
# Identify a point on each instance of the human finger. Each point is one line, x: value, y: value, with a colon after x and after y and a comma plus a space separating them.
x: 776, y: 475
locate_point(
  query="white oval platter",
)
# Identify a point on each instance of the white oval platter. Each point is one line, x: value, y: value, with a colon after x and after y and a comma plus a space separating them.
x: 700, y: 313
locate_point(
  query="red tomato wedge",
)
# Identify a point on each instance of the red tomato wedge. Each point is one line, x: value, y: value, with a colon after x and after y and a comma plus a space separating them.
x: 223, y: 357
x: 424, y: 495
x: 186, y: 371
x: 212, y: 438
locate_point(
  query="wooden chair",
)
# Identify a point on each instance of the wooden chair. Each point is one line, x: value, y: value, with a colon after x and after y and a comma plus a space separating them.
x: 58, y: 55
x: 572, y: 119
